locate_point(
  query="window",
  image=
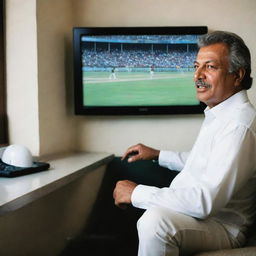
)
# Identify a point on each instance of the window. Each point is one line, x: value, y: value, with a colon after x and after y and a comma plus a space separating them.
x: 3, y: 116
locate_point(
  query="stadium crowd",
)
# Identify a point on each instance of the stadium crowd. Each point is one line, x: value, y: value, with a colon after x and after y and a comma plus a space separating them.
x: 138, y: 58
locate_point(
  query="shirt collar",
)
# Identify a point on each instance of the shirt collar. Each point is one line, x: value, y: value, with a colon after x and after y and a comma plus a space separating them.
x: 236, y: 99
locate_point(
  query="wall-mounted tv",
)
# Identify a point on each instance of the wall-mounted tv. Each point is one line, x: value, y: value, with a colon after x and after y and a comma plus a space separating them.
x: 135, y: 70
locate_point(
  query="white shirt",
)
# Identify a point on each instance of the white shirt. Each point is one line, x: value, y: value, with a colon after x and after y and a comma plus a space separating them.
x: 217, y: 177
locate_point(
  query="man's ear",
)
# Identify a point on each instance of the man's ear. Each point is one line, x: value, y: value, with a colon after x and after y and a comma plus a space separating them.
x: 239, y: 76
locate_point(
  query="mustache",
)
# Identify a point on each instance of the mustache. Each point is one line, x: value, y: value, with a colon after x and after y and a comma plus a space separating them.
x: 201, y: 83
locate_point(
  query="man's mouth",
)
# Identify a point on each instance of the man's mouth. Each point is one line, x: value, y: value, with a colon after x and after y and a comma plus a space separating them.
x: 201, y: 84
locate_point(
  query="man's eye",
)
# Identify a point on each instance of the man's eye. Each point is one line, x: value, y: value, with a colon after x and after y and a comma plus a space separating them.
x: 195, y: 67
x: 210, y: 67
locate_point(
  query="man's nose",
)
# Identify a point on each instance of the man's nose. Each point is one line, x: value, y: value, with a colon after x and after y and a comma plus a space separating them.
x: 199, y: 74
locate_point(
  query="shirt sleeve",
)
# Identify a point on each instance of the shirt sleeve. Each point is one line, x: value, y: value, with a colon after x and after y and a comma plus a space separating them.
x: 231, y: 164
x: 173, y: 160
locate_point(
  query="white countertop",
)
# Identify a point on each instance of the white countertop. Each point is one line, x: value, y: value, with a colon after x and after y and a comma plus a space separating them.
x: 19, y: 191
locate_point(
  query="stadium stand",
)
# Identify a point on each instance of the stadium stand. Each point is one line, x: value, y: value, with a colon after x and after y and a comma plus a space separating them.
x: 137, y: 58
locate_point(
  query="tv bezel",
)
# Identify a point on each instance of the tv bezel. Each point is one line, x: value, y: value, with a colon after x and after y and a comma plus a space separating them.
x: 80, y: 109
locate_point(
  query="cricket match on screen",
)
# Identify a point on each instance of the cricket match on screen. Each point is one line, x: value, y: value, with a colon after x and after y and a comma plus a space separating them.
x: 138, y: 70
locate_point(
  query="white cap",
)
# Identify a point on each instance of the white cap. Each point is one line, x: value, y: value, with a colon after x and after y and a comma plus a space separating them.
x: 17, y: 155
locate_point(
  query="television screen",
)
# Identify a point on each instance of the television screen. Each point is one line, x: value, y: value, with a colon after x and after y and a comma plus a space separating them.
x: 135, y: 70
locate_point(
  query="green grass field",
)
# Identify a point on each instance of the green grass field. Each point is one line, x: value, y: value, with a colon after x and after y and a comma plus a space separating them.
x: 138, y: 89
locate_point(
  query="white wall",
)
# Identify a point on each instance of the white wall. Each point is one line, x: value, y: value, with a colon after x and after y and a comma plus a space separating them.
x: 39, y: 50
x: 115, y: 134
x: 21, y: 73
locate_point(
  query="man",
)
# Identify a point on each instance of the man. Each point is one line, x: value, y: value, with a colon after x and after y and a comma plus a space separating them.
x: 211, y: 203
x: 152, y: 71
x: 113, y: 74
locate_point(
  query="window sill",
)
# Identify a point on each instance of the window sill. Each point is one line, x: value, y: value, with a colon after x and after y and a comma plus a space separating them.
x: 19, y: 191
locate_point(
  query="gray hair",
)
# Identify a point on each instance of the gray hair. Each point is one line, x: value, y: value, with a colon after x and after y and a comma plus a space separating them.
x: 239, y: 54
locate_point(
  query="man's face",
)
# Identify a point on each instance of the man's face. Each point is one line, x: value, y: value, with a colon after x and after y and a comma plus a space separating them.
x: 211, y: 67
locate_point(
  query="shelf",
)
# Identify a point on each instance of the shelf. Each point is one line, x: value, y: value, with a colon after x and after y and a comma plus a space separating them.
x: 19, y: 191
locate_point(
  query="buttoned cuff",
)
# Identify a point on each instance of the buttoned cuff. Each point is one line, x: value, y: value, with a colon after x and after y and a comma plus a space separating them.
x: 141, y: 196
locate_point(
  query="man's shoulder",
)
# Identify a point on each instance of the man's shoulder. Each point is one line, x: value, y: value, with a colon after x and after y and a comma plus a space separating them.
x: 245, y: 115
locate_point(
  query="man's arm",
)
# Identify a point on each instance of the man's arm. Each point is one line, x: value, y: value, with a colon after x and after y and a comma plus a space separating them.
x: 173, y: 160
x: 201, y: 192
x: 169, y: 159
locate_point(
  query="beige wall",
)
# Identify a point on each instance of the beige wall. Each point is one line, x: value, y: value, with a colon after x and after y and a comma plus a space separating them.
x: 21, y: 73
x: 43, y: 65
x: 54, y: 33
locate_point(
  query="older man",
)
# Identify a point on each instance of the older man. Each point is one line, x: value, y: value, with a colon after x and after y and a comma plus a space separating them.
x: 211, y: 203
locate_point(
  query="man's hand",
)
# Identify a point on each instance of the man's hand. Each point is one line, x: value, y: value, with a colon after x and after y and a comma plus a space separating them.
x: 140, y: 152
x: 123, y: 192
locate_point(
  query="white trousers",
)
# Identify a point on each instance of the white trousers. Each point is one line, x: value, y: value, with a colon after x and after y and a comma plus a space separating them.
x: 163, y: 232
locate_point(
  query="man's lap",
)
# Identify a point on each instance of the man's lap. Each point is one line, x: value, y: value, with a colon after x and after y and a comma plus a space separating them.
x: 189, y: 234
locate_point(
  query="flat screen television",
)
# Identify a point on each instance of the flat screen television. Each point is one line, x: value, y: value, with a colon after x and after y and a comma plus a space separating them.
x: 135, y: 70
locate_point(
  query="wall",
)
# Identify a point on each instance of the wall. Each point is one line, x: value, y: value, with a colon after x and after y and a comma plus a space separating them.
x: 21, y: 73
x: 54, y: 35
x: 115, y: 134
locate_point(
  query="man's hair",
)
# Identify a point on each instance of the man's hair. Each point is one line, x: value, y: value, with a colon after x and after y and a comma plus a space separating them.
x: 239, y: 54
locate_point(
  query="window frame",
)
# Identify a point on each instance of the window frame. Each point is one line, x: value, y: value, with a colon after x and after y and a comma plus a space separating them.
x: 3, y: 96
